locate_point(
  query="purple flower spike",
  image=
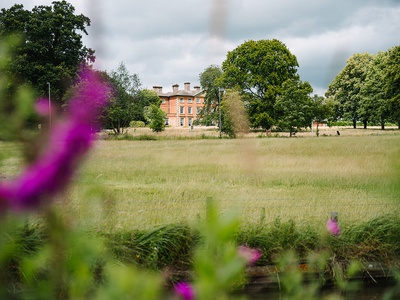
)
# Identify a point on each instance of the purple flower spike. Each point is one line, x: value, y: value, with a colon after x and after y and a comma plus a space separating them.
x: 333, y: 227
x: 250, y: 255
x: 42, y: 107
x: 69, y: 140
x: 185, y: 291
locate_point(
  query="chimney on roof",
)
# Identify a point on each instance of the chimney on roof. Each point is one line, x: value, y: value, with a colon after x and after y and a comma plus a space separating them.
x: 197, y: 88
x: 157, y: 89
x: 175, y: 87
x: 187, y: 86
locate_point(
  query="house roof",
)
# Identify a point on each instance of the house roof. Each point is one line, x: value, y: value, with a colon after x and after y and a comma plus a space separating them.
x: 178, y: 92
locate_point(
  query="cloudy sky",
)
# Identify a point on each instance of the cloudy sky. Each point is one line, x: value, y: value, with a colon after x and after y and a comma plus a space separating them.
x: 173, y: 41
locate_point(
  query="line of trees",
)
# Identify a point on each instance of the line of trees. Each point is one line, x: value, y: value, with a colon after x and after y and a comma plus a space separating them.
x: 367, y: 89
x: 265, y: 74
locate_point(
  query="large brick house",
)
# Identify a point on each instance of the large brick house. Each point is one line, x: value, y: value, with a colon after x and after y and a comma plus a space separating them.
x: 181, y: 106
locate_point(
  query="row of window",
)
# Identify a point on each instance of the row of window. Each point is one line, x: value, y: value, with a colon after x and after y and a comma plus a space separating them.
x: 190, y: 122
x: 189, y: 110
x: 182, y: 122
x: 189, y: 100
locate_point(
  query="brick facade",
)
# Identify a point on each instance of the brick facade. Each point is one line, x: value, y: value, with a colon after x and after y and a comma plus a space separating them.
x: 181, y: 106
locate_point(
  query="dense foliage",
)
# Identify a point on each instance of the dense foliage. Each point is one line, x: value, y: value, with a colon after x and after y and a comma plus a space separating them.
x: 125, y: 88
x: 259, y: 69
x: 367, y: 89
x: 294, y: 105
x: 212, y: 89
x: 50, y: 49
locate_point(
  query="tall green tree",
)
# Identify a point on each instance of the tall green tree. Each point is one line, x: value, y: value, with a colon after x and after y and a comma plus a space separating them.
x: 323, y: 110
x: 51, y: 50
x: 144, y: 98
x: 157, y: 118
x: 392, y: 83
x: 209, y: 81
x: 126, y: 87
x: 294, y: 105
x: 374, y: 104
x: 259, y: 69
x: 347, y: 85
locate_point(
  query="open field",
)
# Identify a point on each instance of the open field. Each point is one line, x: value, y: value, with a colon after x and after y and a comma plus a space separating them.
x: 147, y: 183
x: 212, y: 132
x: 141, y: 184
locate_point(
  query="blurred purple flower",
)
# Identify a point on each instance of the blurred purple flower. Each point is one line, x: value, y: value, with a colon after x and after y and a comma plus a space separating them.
x: 333, y: 227
x: 249, y: 254
x: 185, y: 290
x: 69, y: 140
x: 42, y: 107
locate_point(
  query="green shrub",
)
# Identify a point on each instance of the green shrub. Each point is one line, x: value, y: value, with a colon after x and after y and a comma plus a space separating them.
x: 137, y: 124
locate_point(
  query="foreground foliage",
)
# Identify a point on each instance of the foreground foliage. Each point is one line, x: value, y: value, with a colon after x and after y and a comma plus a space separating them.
x: 173, y: 250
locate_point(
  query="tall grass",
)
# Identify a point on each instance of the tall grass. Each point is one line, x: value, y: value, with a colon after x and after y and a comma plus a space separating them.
x: 143, y: 184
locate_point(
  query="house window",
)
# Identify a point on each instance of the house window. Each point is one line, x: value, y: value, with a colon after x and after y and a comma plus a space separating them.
x: 189, y: 100
x: 189, y: 110
x: 163, y: 101
x: 182, y: 109
x: 190, y: 121
x: 182, y: 100
x: 198, y: 110
x: 182, y: 121
x: 198, y: 100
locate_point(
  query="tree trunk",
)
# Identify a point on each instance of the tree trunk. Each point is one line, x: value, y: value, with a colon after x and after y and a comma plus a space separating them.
x: 382, y: 125
x: 354, y: 124
x: 365, y: 124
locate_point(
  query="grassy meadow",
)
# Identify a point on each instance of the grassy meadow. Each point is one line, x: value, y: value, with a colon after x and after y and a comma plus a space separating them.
x: 143, y: 184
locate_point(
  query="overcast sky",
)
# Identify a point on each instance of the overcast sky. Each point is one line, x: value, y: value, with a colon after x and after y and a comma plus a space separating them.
x: 173, y: 41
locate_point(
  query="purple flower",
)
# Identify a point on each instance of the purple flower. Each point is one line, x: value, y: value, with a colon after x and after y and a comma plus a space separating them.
x: 249, y: 254
x: 184, y: 290
x: 333, y: 227
x: 70, y: 138
x: 42, y: 107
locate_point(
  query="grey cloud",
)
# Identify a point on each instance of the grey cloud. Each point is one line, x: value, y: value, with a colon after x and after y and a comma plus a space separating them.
x: 172, y: 41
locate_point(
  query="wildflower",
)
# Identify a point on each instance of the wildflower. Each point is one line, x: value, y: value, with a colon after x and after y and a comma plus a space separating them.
x: 333, y: 227
x: 250, y: 255
x: 69, y: 140
x: 185, y: 290
x: 42, y: 107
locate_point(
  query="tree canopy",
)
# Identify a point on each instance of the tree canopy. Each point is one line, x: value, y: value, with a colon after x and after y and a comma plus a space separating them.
x: 143, y: 99
x: 294, y: 106
x: 126, y: 87
x: 51, y: 48
x: 346, y: 86
x: 210, y: 85
x: 259, y: 69
x: 367, y: 88
x: 392, y: 84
